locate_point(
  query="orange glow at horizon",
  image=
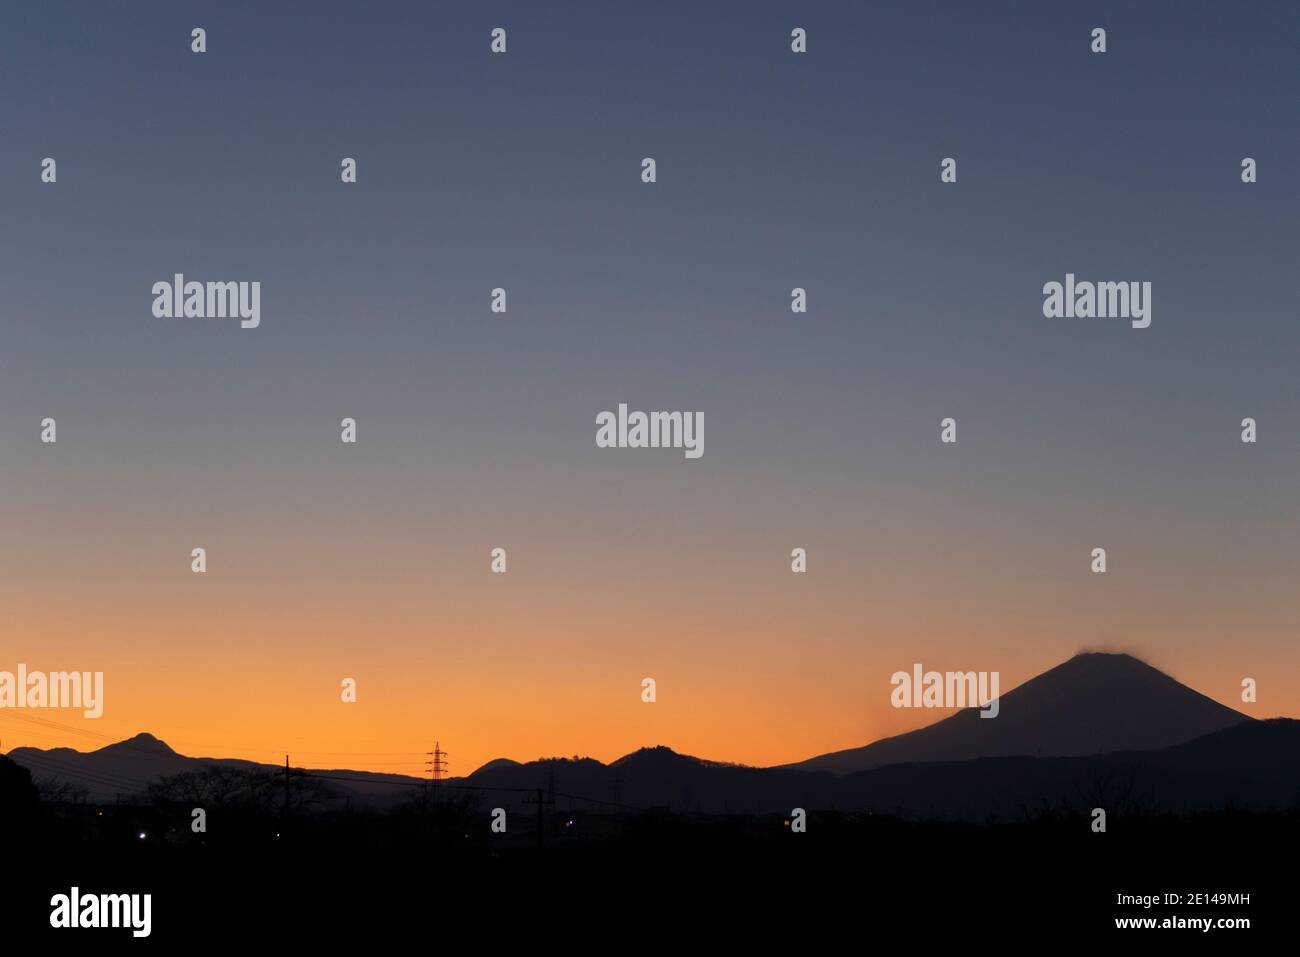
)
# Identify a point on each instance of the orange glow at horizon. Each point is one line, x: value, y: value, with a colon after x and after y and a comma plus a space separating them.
x: 753, y: 664
x: 746, y: 688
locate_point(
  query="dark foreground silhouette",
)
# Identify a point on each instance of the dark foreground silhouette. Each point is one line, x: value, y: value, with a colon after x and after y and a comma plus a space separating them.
x: 268, y: 868
x: 319, y: 877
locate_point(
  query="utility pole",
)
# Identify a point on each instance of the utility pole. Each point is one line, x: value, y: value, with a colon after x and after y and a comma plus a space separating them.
x: 542, y: 799
x: 284, y: 812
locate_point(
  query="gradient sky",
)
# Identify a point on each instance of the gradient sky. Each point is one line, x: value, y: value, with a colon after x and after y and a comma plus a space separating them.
x: 477, y: 430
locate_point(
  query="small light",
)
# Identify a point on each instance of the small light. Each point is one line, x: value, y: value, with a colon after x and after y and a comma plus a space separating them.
x: 142, y: 835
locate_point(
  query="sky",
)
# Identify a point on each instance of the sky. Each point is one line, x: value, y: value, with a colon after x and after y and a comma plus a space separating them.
x: 477, y: 430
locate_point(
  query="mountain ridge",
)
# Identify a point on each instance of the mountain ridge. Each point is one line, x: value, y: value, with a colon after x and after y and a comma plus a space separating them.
x: 1092, y: 703
x: 956, y: 766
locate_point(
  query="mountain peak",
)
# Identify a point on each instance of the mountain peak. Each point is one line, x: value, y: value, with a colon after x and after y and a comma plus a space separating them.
x: 1112, y: 659
x: 144, y: 741
x: 496, y: 764
x: 1113, y: 655
x: 658, y: 756
x: 1106, y: 672
x: 1094, y: 703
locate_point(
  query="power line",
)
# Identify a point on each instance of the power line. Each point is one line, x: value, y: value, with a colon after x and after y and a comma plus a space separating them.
x: 541, y: 801
x: 481, y: 787
x: 47, y: 762
x: 411, y: 784
x: 100, y: 778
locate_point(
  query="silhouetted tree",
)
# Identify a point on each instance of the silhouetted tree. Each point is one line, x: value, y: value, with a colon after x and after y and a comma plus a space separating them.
x: 60, y: 791
x: 19, y: 799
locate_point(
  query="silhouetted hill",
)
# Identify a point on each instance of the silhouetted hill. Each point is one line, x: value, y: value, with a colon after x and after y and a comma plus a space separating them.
x: 1242, y: 747
x: 123, y: 768
x: 495, y: 764
x: 1251, y: 764
x: 657, y: 778
x: 1255, y: 764
x: 1092, y: 704
x: 996, y: 767
x: 142, y: 743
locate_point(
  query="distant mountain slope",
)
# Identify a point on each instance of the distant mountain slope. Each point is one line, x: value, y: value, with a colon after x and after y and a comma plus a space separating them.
x: 127, y: 768
x: 1091, y: 704
x: 124, y: 768
x: 1251, y: 764
x: 661, y: 778
x: 1165, y: 745
x: 1255, y: 764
